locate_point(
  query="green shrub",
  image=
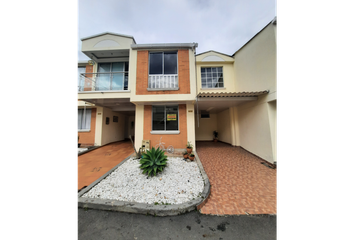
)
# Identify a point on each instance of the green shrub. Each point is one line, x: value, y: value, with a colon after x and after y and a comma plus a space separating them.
x: 153, y: 161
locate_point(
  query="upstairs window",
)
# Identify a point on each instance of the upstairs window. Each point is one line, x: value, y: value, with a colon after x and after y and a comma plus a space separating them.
x: 163, y: 73
x: 163, y: 63
x: 212, y: 77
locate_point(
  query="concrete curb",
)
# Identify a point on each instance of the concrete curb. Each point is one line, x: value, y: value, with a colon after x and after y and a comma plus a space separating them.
x: 88, y: 150
x: 141, y: 208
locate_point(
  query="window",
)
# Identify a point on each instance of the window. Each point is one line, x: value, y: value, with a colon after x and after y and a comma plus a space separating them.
x: 84, y: 119
x: 164, y: 63
x: 112, y: 76
x: 163, y: 73
x: 164, y: 118
x: 212, y: 77
x: 204, y: 115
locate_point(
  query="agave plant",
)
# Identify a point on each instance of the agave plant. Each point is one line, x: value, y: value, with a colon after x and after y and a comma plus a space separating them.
x: 153, y: 161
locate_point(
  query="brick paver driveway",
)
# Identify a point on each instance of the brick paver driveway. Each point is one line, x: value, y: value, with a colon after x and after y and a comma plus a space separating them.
x: 239, y: 182
x: 94, y: 164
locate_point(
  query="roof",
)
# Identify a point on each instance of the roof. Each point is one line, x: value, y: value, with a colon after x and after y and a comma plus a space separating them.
x: 164, y: 45
x: 231, y: 94
x: 215, y: 52
x: 274, y: 22
x: 115, y: 34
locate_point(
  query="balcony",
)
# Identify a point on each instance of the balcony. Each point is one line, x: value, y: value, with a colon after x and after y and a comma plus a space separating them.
x: 106, y: 81
x: 163, y: 82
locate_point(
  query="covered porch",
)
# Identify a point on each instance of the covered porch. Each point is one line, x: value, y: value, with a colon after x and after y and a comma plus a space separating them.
x: 244, y: 119
x: 114, y: 119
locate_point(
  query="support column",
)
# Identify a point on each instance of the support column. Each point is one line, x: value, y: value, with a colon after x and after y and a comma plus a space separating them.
x: 139, y: 126
x: 99, y: 123
x: 190, y: 124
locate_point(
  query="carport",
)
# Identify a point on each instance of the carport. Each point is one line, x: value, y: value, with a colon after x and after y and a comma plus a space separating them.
x: 216, y: 111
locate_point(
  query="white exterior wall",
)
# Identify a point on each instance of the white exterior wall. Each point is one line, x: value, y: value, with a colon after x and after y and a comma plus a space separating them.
x: 113, y: 131
x: 224, y: 126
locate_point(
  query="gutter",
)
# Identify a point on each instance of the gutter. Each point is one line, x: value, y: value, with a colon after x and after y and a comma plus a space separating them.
x: 164, y: 45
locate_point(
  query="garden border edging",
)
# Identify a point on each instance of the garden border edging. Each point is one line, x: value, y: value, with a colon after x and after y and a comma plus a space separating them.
x: 142, y: 208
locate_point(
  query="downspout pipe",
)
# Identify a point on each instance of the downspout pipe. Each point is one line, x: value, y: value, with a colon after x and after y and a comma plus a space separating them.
x: 196, y: 82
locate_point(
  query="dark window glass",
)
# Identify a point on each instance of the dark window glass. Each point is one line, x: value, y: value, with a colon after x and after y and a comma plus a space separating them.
x: 172, y: 118
x: 155, y: 66
x: 170, y: 63
x: 164, y: 118
x: 158, y: 118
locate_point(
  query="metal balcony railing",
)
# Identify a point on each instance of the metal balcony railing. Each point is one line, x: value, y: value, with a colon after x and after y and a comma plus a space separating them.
x: 108, y: 81
x: 163, y: 81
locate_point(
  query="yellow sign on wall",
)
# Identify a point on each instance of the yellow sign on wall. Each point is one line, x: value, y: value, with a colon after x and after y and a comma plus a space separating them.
x: 171, y: 117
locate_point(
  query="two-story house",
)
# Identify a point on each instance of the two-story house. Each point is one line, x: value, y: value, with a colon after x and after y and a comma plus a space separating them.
x: 144, y: 90
x: 151, y: 91
x: 237, y: 95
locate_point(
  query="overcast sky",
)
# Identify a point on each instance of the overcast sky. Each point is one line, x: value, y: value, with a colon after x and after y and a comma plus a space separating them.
x: 220, y: 25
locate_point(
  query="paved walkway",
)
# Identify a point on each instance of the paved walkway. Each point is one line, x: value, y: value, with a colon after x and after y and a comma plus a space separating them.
x: 239, y: 182
x: 94, y: 164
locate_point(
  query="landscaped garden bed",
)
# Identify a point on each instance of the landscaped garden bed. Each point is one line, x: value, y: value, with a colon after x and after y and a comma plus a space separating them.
x: 179, y: 182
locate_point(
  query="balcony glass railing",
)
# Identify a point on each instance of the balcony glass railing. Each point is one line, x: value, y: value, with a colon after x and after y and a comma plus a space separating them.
x: 108, y: 81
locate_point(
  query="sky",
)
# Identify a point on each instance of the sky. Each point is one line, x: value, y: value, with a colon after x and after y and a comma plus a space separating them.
x: 223, y: 25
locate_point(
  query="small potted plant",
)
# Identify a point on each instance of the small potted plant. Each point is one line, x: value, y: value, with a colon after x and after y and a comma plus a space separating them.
x: 191, y: 156
x: 76, y: 141
x: 189, y: 147
x: 215, y: 133
x: 185, y: 154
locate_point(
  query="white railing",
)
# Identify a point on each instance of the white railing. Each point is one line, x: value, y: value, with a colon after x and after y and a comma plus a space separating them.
x: 163, y: 81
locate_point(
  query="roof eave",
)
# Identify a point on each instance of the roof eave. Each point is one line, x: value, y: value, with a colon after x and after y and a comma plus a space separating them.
x: 115, y: 34
x: 164, y: 45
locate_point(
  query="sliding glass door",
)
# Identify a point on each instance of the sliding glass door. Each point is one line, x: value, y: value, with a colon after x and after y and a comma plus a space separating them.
x: 117, y: 78
x: 103, y: 80
x: 111, y: 76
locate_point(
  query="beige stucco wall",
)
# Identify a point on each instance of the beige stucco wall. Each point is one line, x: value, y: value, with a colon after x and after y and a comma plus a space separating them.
x: 255, y: 70
x: 190, y: 124
x: 255, y: 128
x: 121, y: 43
x: 272, y: 112
x: 139, y: 126
x: 234, y: 129
x: 113, y: 131
x: 228, y: 71
x: 224, y: 126
x: 98, y: 134
x: 206, y: 127
x: 255, y: 63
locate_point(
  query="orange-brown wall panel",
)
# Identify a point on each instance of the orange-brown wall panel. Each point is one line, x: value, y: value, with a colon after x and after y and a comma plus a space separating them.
x: 88, y: 138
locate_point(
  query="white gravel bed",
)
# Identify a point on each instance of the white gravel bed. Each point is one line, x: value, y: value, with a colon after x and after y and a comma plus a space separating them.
x: 179, y: 182
x: 81, y: 149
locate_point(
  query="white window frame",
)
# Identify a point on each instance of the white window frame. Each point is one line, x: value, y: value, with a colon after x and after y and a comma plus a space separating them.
x: 201, y: 78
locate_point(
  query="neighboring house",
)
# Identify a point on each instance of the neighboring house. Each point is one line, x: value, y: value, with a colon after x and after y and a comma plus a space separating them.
x: 151, y: 91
